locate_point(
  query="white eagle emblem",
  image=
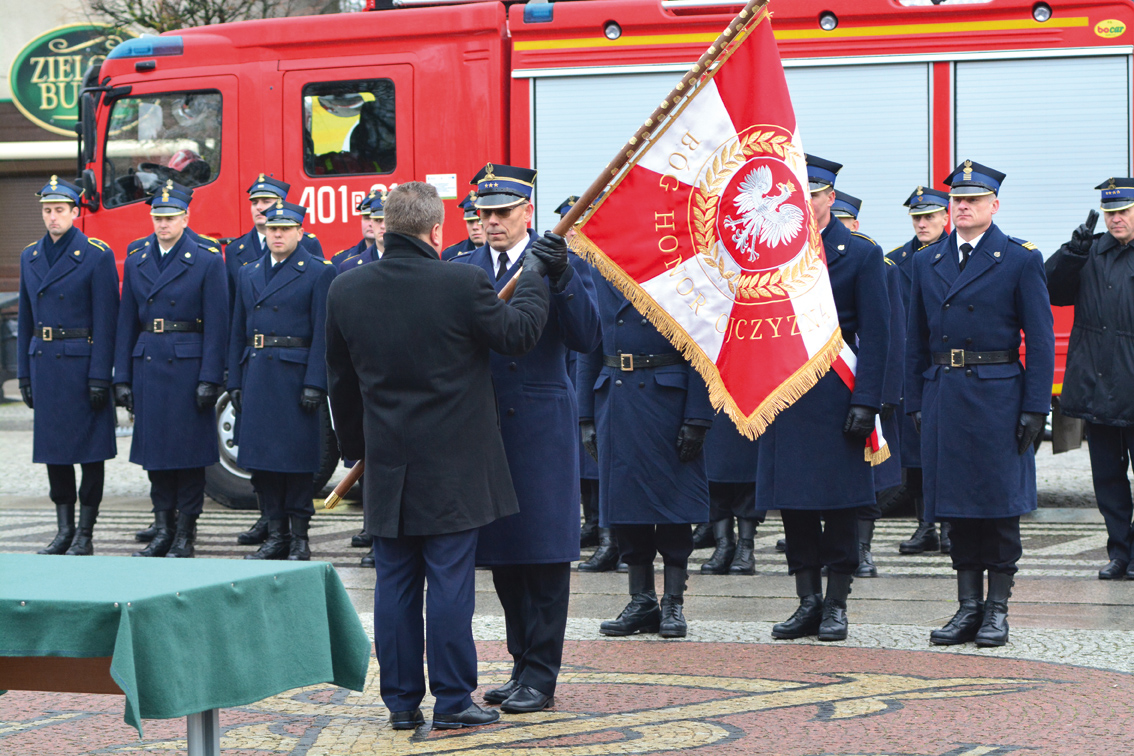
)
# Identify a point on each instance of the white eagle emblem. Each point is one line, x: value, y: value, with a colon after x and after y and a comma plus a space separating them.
x: 764, y: 219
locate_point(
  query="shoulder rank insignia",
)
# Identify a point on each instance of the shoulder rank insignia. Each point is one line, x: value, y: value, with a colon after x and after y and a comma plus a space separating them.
x: 326, y: 262
x: 98, y: 243
x: 311, y: 236
x: 889, y: 261
x: 31, y: 245
x: 462, y: 254
x: 214, y: 250
x: 863, y: 236
x: 895, y: 249
x: 1022, y: 243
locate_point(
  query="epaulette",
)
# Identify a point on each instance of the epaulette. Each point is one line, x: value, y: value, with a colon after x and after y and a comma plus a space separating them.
x: 863, y: 236
x: 327, y: 262
x: 32, y: 244
x: 214, y: 241
x: 311, y: 236
x: 99, y: 243
x: 889, y: 261
x: 131, y: 249
x: 1022, y: 243
x: 462, y: 254
x: 214, y: 250
x: 895, y: 249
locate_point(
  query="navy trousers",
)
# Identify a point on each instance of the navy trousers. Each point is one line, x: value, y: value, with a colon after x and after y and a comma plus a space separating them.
x: 182, y: 489
x: 401, y: 638
x: 991, y: 544
x: 284, y: 495
x: 639, y: 544
x: 535, y: 599
x: 734, y: 500
x: 819, y: 538
x: 1110, y: 448
x: 62, y: 481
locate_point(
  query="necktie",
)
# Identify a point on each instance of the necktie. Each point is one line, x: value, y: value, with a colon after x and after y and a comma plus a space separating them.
x: 502, y: 267
x: 966, y: 250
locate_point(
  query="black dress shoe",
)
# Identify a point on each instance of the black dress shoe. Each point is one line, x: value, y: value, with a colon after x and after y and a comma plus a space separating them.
x: 781, y: 545
x: 470, y: 717
x: 499, y: 695
x: 1114, y: 570
x: 406, y: 720
x: 361, y: 540
x: 526, y: 700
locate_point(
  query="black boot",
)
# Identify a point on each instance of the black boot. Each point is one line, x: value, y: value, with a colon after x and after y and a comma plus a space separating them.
x: 605, y: 557
x: 994, y: 630
x: 642, y: 614
x: 300, y: 550
x: 277, y: 544
x: 65, y: 524
x: 368, y: 560
x: 781, y: 545
x: 744, y: 560
x: 163, y: 537
x: 145, y: 535
x: 81, y: 544
x: 925, y: 537
x: 704, y: 534
x: 256, y: 534
x: 805, y: 620
x: 588, y: 535
x: 965, y: 623
x: 360, y: 540
x: 185, y: 537
x: 946, y: 542
x: 726, y: 546
x: 834, y: 624
x: 673, y: 623
x: 866, y: 567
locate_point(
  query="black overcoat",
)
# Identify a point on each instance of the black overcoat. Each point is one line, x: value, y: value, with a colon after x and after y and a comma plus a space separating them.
x: 415, y: 397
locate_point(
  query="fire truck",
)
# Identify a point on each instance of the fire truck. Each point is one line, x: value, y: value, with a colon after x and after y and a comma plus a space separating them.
x: 898, y: 91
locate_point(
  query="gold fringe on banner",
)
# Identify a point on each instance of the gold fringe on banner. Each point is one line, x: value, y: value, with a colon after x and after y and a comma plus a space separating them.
x: 786, y: 394
x: 876, y: 458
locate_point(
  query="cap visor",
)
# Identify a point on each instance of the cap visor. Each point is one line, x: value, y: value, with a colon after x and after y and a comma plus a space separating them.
x: 818, y: 186
x: 166, y: 211
x: 970, y: 191
x: 266, y: 195
x: 56, y: 198
x: 281, y: 222
x: 927, y: 209
x: 498, y: 200
x: 842, y: 214
x: 1116, y: 205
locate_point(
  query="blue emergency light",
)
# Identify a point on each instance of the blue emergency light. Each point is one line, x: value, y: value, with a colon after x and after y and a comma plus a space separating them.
x: 148, y: 47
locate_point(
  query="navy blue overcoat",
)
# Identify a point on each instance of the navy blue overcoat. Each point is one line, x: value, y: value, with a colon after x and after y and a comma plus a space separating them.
x: 460, y: 248
x: 539, y: 422
x: 970, y: 462
x: 79, y: 291
x: 889, y: 473
x: 356, y: 257
x: 729, y: 456
x: 275, y: 434
x: 588, y: 466
x: 806, y: 461
x: 165, y: 368
x: 638, y: 415
x: 246, y: 249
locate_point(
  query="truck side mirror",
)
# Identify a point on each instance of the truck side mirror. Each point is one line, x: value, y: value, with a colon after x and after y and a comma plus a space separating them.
x: 90, y: 198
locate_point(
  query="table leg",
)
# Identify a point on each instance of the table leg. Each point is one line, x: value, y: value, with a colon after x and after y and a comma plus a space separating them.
x: 204, y: 733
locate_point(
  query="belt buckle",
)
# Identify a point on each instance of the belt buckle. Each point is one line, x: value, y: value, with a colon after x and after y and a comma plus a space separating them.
x: 956, y: 358
x: 626, y: 362
x: 45, y: 334
x: 159, y: 325
x: 258, y: 341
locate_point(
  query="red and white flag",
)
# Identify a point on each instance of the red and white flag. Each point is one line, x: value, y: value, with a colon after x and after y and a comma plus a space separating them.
x: 709, y: 233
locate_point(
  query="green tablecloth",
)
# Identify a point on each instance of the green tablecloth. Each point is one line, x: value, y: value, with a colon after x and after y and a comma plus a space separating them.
x: 186, y: 635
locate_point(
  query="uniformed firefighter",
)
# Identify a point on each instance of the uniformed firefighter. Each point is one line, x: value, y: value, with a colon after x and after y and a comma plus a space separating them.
x: 277, y: 378
x: 888, y: 474
x: 530, y: 553
x: 375, y: 207
x: 821, y: 438
x: 1095, y: 273
x: 169, y: 366
x: 929, y: 213
x: 730, y: 463
x: 367, y: 225
x: 65, y: 348
x: 980, y: 411
x: 248, y: 249
x: 643, y: 414
x: 472, y: 225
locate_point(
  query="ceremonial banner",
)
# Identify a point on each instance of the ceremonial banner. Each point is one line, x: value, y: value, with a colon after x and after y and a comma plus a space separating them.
x: 708, y: 231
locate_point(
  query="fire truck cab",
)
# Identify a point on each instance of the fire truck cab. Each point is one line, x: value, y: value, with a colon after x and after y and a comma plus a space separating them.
x: 898, y: 91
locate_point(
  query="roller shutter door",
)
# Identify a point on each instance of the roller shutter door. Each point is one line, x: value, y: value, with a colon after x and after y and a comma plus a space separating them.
x: 1057, y: 128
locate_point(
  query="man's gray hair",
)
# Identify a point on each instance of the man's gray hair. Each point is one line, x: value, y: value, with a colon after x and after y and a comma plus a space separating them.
x: 413, y: 209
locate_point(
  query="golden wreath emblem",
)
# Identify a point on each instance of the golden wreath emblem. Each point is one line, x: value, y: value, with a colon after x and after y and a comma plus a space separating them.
x: 758, y: 287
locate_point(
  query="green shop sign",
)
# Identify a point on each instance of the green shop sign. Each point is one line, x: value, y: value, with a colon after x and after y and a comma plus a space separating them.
x: 47, y: 75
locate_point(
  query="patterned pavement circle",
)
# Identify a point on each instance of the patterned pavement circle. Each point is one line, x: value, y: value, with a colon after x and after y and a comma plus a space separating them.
x: 657, y: 698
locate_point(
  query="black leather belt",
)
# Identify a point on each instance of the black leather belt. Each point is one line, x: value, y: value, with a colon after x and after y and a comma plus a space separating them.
x: 46, y: 333
x: 161, y: 325
x: 259, y: 341
x: 963, y: 357
x: 631, y: 362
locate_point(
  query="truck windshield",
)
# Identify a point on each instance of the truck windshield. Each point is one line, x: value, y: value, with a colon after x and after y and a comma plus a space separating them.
x: 348, y: 128
x: 153, y: 138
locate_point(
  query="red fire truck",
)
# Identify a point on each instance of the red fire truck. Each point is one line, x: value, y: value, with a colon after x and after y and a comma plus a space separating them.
x: 897, y: 90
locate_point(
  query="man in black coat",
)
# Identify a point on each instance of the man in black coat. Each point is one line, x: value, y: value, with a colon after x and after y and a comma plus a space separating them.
x: 415, y: 400
x: 1095, y: 273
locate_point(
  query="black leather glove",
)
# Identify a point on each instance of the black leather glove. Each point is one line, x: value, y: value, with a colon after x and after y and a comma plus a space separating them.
x: 25, y: 393
x: 535, y: 264
x: 551, y: 249
x: 588, y: 435
x: 207, y: 394
x: 311, y: 399
x: 917, y: 421
x: 888, y: 411
x: 690, y: 441
x: 1029, y: 432
x: 124, y: 396
x: 1084, y: 235
x: 234, y: 396
x: 98, y: 395
x: 860, y: 421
